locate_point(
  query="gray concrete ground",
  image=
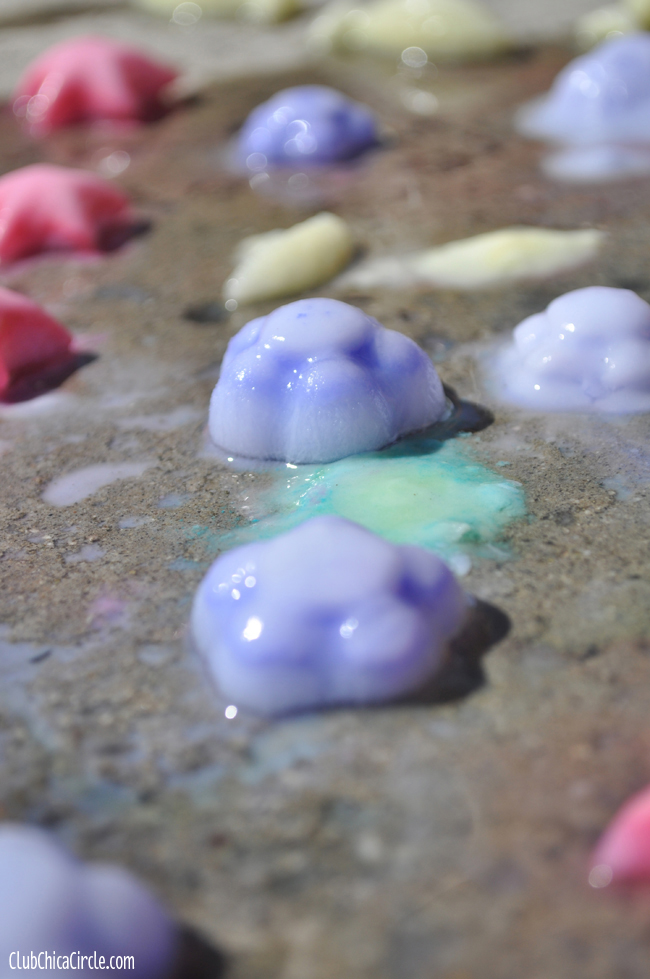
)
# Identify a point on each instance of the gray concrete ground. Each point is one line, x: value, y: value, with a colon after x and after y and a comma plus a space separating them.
x: 443, y: 841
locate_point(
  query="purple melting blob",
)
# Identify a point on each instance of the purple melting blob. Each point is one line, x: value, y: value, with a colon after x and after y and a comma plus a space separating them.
x: 327, y: 614
x: 318, y: 380
x: 51, y: 903
x: 601, y: 97
x: 306, y: 125
x: 588, y: 351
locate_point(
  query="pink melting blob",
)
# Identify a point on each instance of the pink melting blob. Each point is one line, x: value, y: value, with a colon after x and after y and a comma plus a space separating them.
x: 87, y: 79
x: 46, y: 208
x: 623, y: 853
x: 32, y: 344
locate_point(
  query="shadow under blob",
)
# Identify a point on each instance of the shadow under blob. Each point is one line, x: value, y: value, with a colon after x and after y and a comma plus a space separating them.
x: 115, y: 236
x: 465, y: 417
x: 196, y: 958
x: 206, y: 313
x: 47, y: 377
x: 462, y: 673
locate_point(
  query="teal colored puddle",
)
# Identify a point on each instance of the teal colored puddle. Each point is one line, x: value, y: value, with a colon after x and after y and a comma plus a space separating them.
x: 419, y: 491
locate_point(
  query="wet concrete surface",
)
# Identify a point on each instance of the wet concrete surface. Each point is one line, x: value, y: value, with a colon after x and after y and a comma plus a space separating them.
x: 429, y: 841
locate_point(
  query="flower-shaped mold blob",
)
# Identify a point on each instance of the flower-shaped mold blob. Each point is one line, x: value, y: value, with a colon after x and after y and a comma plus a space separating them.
x: 88, y: 79
x: 327, y: 614
x: 46, y: 208
x: 50, y: 904
x: 318, y: 380
x: 602, y: 97
x: 30, y: 340
x: 588, y: 351
x: 623, y: 854
x: 306, y: 125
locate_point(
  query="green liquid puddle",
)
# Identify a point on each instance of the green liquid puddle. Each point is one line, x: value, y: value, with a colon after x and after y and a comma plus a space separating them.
x: 419, y: 491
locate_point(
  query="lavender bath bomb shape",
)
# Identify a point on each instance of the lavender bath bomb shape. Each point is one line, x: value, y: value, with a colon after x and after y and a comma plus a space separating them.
x: 601, y: 97
x: 318, y: 380
x: 588, y: 351
x: 326, y: 614
x: 50, y: 903
x: 308, y: 124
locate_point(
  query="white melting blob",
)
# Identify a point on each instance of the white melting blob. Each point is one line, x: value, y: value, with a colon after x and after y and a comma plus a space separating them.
x: 52, y: 904
x: 285, y: 262
x: 326, y: 614
x: 598, y: 101
x: 588, y: 351
x: 82, y: 483
x: 492, y: 259
x: 440, y: 29
x: 318, y: 380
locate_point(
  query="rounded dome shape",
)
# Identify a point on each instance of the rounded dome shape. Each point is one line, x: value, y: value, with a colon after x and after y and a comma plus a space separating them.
x: 86, y: 79
x: 600, y: 97
x: 46, y: 208
x: 326, y: 614
x: 305, y: 125
x: 318, y: 380
x: 588, y: 351
x: 50, y: 903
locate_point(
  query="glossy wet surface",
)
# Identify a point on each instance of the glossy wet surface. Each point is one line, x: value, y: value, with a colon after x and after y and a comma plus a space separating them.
x: 444, y: 840
x: 423, y: 490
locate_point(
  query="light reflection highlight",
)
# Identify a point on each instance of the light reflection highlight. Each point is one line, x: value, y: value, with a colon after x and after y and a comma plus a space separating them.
x: 588, y: 351
x: 310, y: 123
x: 600, y: 876
x: 340, y: 617
x: 187, y: 14
x: 253, y: 630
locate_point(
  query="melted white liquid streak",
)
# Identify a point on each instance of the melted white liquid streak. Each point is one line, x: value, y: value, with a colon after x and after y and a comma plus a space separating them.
x: 597, y: 164
x: 177, y: 418
x: 82, y: 483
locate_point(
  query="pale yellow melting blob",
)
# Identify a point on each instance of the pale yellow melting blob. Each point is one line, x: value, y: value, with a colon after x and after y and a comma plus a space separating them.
x: 625, y: 17
x: 492, y: 259
x: 286, y: 262
x: 605, y: 22
x: 186, y: 14
x: 641, y: 10
x: 507, y: 256
x: 443, y: 29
